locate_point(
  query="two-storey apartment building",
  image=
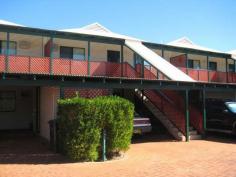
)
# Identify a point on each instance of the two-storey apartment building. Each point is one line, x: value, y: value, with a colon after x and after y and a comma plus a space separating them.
x: 38, y: 66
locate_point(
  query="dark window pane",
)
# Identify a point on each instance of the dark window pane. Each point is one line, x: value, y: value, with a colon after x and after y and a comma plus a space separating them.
x: 195, y: 64
x: 113, y: 56
x: 231, y: 67
x: 66, y: 52
x: 212, y: 66
x: 190, y: 63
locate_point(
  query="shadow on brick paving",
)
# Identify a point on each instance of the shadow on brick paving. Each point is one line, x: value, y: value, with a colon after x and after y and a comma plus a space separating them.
x: 22, y: 147
x: 221, y: 137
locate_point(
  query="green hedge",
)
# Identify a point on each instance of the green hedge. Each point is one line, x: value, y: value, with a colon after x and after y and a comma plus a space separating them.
x: 81, y: 121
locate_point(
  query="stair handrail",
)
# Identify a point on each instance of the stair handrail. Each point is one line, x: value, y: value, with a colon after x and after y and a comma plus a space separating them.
x: 166, y: 97
x: 125, y: 62
x: 165, y: 113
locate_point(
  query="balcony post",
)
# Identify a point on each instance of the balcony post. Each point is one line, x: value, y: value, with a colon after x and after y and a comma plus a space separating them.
x: 208, y: 78
x: 186, y: 64
x: 204, y: 112
x: 51, y: 55
x: 226, y: 63
x: 62, y: 95
x: 7, y: 53
x: 89, y: 54
x: 162, y: 55
x: 142, y: 69
x: 234, y: 65
x: 187, y: 114
x: 122, y: 60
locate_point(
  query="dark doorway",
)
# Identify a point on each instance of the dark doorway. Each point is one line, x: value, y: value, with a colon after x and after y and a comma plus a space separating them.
x: 113, y: 56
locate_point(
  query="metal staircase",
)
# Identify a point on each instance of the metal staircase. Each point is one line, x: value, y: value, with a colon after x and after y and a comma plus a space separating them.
x: 170, y: 116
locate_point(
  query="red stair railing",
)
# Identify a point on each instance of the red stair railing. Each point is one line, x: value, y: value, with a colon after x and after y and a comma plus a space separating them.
x: 196, y: 117
x: 169, y: 109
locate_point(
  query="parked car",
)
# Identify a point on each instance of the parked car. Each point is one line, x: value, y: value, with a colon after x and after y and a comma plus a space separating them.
x: 221, y: 115
x: 141, y: 124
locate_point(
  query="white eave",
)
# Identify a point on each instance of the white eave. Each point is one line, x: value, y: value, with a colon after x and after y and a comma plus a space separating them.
x: 4, y: 22
x: 233, y: 54
x: 97, y: 29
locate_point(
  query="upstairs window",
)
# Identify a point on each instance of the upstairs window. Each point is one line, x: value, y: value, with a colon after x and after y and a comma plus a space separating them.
x: 231, y: 68
x: 194, y: 64
x: 79, y: 53
x: 212, y: 66
x: 12, y: 47
x: 72, y: 53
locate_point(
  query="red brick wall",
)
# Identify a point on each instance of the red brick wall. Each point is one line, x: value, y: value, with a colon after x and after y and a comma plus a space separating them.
x: 86, y: 93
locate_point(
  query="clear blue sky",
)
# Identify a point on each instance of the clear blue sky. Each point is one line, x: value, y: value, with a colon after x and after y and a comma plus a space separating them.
x: 210, y: 23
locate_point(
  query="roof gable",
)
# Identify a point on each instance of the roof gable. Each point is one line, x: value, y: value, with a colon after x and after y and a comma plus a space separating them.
x: 183, y: 40
x: 187, y: 43
x: 96, y: 27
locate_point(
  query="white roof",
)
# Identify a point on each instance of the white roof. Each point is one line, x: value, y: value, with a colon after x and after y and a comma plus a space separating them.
x: 187, y: 43
x: 233, y: 53
x: 4, y: 22
x: 98, y: 30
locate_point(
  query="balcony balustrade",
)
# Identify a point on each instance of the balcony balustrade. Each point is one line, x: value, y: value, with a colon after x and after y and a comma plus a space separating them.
x: 71, y: 67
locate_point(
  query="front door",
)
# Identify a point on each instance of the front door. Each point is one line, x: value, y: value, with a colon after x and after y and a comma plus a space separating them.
x: 113, y: 56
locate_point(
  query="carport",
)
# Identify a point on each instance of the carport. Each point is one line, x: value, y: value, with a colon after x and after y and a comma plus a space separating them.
x: 19, y: 108
x: 51, y: 88
x: 24, y: 114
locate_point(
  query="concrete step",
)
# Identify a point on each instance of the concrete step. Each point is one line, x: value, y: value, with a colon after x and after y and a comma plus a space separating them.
x: 195, y: 137
x: 193, y: 132
x: 191, y: 128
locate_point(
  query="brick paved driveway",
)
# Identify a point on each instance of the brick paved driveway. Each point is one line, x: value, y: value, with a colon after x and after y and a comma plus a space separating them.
x: 213, y: 157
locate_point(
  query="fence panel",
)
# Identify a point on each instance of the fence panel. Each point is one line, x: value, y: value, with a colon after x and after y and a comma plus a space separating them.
x: 18, y: 64
x: 40, y: 65
x: 2, y: 63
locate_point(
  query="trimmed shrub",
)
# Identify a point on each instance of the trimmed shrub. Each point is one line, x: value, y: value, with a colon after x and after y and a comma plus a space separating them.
x: 81, y: 121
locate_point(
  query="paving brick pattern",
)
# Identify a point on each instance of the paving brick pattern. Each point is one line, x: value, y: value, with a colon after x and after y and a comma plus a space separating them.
x: 213, y: 157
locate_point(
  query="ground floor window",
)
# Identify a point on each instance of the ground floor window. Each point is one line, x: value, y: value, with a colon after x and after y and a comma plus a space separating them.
x: 7, y: 101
